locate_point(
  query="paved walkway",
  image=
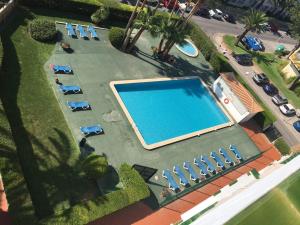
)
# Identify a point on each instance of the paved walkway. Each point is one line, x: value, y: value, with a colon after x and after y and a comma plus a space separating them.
x: 222, y: 213
x: 283, y: 123
x: 140, y: 214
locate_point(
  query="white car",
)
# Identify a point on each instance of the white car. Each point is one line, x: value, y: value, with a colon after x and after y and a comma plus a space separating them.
x: 185, y: 8
x: 287, y: 109
x: 215, y: 14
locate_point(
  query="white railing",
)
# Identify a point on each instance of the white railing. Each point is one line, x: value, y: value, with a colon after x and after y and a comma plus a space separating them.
x: 6, y: 10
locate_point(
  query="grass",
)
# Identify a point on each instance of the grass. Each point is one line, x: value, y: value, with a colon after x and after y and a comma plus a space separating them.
x: 46, y: 150
x: 280, y: 206
x: 282, y: 146
x: 270, y: 65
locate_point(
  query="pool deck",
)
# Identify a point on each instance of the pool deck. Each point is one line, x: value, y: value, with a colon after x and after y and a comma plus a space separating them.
x: 95, y: 65
x: 175, y: 139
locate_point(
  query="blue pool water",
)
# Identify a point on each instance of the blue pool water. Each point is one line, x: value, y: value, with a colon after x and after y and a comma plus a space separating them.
x: 167, y: 109
x: 188, y: 48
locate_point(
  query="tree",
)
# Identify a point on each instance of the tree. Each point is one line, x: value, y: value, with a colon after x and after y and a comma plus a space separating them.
x: 253, y: 22
x: 94, y: 166
x: 146, y: 20
x: 174, y: 30
x: 295, y: 32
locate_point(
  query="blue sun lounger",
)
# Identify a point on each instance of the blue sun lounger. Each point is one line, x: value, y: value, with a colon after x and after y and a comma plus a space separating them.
x: 226, y: 156
x: 193, y: 175
x: 81, y: 30
x: 71, y: 31
x: 172, y: 183
x: 180, y: 174
x: 218, y: 160
x: 202, y: 167
x: 236, y: 152
x: 89, y: 130
x: 84, y: 105
x: 69, y: 89
x: 93, y: 32
x: 210, y: 167
x: 64, y: 69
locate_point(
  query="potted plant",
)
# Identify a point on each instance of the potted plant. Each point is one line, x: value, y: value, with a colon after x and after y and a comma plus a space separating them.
x: 65, y: 46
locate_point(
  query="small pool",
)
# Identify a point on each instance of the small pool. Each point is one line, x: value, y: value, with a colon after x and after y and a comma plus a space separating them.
x: 188, y: 48
x: 163, y: 111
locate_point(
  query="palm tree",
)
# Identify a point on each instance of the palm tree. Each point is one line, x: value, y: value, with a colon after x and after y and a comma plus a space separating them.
x: 94, y: 166
x: 253, y: 22
x: 145, y: 21
x: 175, y: 30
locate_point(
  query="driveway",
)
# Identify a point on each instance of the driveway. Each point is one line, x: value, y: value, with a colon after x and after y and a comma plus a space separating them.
x: 283, y: 123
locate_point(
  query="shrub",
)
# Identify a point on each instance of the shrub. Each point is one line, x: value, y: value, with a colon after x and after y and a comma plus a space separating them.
x: 282, y: 146
x: 134, y: 184
x: 116, y: 36
x: 95, y: 166
x: 255, y: 173
x: 297, y: 90
x: 42, y: 30
x: 79, y: 215
x: 100, y: 15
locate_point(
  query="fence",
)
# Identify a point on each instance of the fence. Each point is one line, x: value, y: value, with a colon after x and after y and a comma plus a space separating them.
x: 6, y: 10
x: 172, y: 198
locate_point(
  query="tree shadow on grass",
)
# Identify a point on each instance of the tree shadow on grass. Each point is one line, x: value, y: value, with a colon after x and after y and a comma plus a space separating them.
x: 48, y: 169
x: 10, y: 82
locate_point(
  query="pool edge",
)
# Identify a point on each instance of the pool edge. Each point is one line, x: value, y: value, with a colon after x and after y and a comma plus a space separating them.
x: 171, y: 140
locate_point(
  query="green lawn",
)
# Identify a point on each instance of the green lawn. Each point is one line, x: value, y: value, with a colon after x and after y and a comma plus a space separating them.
x: 46, y: 149
x: 280, y: 206
x: 269, y: 64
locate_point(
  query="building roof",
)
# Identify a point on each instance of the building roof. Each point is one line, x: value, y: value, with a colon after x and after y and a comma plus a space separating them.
x: 241, y: 92
x: 295, y: 59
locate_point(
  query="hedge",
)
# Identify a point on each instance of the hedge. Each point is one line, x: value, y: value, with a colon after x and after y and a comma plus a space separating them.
x: 282, y: 146
x: 84, y: 7
x: 134, y: 190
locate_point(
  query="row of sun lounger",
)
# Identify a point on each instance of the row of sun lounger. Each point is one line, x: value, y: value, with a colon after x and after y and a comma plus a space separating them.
x: 205, y: 166
x: 82, y: 33
x: 76, y: 105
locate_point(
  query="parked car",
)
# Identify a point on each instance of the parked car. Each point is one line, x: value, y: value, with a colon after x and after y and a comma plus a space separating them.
x: 243, y: 59
x: 186, y: 8
x: 279, y: 100
x: 170, y: 4
x: 296, y: 125
x: 252, y: 43
x: 260, y: 78
x: 287, y: 109
x: 216, y: 14
x: 204, y: 12
x: 270, y: 89
x: 229, y: 18
x: 265, y: 27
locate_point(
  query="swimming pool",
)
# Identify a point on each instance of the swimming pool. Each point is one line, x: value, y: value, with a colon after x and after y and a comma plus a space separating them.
x: 163, y: 111
x: 188, y: 48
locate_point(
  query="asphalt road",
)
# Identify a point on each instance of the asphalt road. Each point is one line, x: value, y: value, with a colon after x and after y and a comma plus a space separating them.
x: 213, y: 26
x: 283, y: 123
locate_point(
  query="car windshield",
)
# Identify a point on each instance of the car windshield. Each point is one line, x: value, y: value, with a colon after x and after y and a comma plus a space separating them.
x: 286, y: 107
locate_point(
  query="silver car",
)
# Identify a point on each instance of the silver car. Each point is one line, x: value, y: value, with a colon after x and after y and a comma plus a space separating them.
x: 279, y: 100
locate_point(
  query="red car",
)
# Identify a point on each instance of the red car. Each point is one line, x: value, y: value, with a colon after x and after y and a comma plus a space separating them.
x: 170, y: 4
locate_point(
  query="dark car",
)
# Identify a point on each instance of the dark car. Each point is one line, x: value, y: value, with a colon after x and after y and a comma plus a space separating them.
x: 279, y: 100
x: 260, y: 78
x: 229, y: 18
x: 204, y: 12
x: 270, y: 89
x: 296, y: 125
x: 243, y: 59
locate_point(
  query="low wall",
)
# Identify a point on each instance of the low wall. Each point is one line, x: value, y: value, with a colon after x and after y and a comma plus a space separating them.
x: 6, y: 10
